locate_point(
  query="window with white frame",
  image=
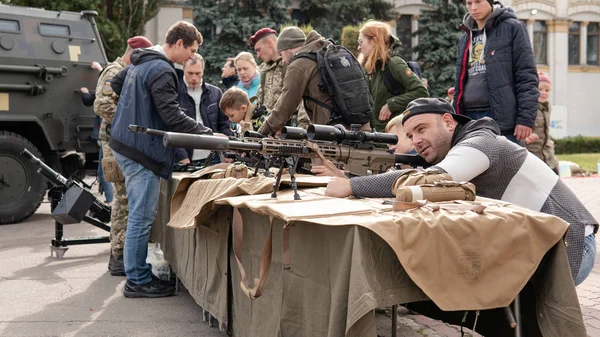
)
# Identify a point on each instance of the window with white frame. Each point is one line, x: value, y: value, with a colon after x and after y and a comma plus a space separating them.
x: 404, y: 33
x: 540, y: 42
x: 574, y: 43
x: 593, y: 37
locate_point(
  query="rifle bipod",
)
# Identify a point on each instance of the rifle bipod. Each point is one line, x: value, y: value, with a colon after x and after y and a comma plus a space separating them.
x: 291, y: 162
x: 263, y: 161
x: 59, y: 245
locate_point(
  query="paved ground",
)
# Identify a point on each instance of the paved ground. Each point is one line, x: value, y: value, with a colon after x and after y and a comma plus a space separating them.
x: 43, y: 296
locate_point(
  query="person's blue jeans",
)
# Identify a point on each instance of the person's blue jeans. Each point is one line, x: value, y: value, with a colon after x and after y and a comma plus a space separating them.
x: 479, y: 114
x: 107, y: 188
x: 142, y: 193
x: 589, y: 258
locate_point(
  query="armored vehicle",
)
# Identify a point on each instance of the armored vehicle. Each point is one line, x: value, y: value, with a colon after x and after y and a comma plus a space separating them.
x: 45, y: 58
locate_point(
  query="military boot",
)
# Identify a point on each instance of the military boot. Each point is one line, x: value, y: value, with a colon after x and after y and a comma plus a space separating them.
x: 116, y: 265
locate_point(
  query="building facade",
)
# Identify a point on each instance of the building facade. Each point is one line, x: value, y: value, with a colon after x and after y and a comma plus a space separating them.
x: 169, y: 13
x: 565, y: 37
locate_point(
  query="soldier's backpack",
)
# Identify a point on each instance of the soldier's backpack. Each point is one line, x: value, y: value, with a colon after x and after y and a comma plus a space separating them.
x: 345, y: 81
x: 394, y: 86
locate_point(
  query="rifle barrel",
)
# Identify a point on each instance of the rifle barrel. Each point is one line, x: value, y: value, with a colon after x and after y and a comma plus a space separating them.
x: 45, y: 170
x: 142, y: 129
x: 205, y: 142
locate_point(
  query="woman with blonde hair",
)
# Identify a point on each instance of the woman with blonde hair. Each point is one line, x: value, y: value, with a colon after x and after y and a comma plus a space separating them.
x: 248, y: 73
x: 380, y: 57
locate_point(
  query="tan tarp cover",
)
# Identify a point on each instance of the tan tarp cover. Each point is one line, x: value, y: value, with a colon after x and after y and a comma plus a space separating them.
x: 193, y: 198
x: 339, y: 273
x: 455, y: 257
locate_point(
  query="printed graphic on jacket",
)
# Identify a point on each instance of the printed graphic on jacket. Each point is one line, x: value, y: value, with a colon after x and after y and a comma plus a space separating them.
x: 477, y: 61
x: 475, y: 95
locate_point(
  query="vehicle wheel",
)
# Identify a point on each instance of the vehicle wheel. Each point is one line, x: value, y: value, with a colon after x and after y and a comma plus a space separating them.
x: 73, y: 166
x: 21, y: 187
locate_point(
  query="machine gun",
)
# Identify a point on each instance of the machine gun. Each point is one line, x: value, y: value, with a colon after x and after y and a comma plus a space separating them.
x: 359, y: 157
x: 71, y: 202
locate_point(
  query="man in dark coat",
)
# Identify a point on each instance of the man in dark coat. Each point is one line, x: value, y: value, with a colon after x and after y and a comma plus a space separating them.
x: 148, y: 96
x: 200, y: 101
x: 496, y: 74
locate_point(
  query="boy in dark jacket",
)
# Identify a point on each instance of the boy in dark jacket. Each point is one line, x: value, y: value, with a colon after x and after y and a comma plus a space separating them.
x: 148, y: 96
x: 496, y: 75
x: 237, y: 107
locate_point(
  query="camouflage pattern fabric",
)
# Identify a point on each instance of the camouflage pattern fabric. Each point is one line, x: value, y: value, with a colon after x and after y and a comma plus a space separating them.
x: 271, y: 83
x: 119, y: 212
x: 300, y: 119
x: 106, y: 101
x: 271, y: 86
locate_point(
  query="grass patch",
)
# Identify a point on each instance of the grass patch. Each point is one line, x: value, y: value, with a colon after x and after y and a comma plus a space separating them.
x: 588, y: 161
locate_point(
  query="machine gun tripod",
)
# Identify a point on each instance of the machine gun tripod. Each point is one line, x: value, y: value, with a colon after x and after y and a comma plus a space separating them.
x: 71, y: 202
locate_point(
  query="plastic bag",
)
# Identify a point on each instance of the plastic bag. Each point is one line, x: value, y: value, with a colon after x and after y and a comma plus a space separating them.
x: 160, y: 266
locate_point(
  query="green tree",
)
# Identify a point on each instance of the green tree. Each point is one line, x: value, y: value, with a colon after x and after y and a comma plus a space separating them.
x: 226, y: 26
x: 121, y: 19
x: 438, y: 36
x: 306, y: 29
x: 350, y: 36
x: 330, y: 16
x: 117, y: 20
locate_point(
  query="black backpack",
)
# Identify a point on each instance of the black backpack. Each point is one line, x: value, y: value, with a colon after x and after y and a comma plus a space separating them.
x: 343, y: 78
x: 390, y: 82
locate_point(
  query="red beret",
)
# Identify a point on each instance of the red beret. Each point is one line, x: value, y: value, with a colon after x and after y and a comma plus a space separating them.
x: 139, y: 42
x: 259, y: 35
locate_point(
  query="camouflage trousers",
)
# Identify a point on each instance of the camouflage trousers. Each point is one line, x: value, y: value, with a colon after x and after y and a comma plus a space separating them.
x: 119, y: 211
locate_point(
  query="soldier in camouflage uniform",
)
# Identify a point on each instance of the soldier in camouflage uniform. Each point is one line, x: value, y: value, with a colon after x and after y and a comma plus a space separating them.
x: 105, y: 106
x: 272, y: 71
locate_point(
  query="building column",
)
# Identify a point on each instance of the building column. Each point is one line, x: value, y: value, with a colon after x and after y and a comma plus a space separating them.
x: 558, y: 62
x: 530, y: 23
x: 394, y: 25
x: 583, y: 42
x: 415, y: 38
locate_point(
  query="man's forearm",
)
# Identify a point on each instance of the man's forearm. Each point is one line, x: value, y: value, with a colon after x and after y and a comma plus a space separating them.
x: 377, y: 186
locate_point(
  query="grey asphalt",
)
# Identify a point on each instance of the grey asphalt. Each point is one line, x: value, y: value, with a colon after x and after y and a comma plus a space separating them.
x: 42, y: 296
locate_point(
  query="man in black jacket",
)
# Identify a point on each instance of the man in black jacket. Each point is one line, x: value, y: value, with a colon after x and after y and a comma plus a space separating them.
x: 229, y: 76
x: 200, y: 101
x: 147, y: 90
x: 496, y: 74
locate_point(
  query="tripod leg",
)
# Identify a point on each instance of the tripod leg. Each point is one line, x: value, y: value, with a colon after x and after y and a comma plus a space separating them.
x: 292, y: 163
x: 267, y: 165
x: 257, y: 167
x: 277, y: 180
x: 394, y: 320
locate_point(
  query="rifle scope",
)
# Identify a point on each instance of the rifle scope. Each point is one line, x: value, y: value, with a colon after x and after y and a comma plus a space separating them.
x: 253, y: 134
x: 290, y: 132
x: 339, y: 134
